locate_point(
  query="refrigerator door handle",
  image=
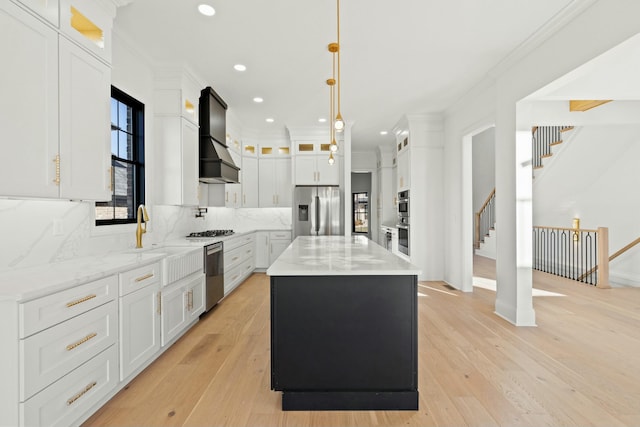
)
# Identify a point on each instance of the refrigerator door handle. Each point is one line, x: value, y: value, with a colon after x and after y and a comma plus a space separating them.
x: 317, y: 215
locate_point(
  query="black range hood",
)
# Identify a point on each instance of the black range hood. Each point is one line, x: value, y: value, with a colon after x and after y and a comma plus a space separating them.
x: 216, y: 164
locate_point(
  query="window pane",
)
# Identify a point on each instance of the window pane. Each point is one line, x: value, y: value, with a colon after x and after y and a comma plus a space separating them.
x: 124, y: 145
x: 114, y: 113
x: 114, y: 142
x: 123, y: 194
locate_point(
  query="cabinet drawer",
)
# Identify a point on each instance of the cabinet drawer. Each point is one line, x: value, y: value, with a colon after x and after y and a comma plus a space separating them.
x: 236, y: 275
x: 234, y: 257
x: 280, y: 235
x: 140, y: 277
x: 53, y: 353
x: 64, y: 401
x: 238, y: 241
x: 47, y: 311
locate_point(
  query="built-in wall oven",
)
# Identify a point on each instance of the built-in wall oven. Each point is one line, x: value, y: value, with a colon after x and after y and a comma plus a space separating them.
x: 403, y: 222
x: 214, y: 272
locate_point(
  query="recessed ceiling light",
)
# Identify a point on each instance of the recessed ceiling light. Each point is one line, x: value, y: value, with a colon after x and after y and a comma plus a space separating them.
x: 322, y: 120
x: 269, y: 120
x: 239, y: 67
x: 258, y: 99
x: 383, y: 132
x: 206, y: 10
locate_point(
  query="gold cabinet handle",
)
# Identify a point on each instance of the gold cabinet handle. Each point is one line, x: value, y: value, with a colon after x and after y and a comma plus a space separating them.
x: 81, y: 300
x: 145, y: 277
x: 81, y: 393
x: 82, y: 341
x: 226, y: 196
x: 244, y: 199
x: 234, y: 258
x: 159, y: 302
x: 56, y: 160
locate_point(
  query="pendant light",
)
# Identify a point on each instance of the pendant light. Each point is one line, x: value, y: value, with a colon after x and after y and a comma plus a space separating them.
x: 336, y: 124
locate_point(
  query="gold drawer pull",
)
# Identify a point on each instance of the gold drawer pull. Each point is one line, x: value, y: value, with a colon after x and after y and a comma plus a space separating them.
x: 82, y: 341
x: 234, y: 258
x: 145, y: 277
x: 81, y: 300
x: 80, y: 394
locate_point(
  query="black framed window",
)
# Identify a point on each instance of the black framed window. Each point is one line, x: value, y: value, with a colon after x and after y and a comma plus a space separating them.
x: 360, y: 213
x: 127, y: 161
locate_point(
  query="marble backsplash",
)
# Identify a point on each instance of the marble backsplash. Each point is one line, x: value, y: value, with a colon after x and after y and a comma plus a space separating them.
x: 35, y: 232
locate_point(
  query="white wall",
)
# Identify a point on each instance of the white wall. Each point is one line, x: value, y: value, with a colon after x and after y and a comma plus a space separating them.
x: 565, y: 47
x: 483, y: 146
x: 595, y: 178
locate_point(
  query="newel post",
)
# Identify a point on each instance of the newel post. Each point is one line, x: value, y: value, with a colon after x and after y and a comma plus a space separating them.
x: 603, y: 258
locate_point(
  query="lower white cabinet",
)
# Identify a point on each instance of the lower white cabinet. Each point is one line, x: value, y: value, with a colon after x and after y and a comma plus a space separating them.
x: 66, y: 400
x: 269, y: 246
x: 239, y: 260
x: 278, y: 242
x: 139, y: 318
x: 182, y: 303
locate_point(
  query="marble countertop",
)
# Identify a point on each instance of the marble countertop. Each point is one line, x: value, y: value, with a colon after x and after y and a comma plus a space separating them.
x: 35, y: 282
x: 24, y: 284
x: 338, y: 256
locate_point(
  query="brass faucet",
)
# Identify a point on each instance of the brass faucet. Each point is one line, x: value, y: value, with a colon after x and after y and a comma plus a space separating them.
x: 142, y: 212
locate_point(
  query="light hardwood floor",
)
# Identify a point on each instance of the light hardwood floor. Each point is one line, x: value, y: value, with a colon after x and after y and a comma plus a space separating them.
x: 579, y: 367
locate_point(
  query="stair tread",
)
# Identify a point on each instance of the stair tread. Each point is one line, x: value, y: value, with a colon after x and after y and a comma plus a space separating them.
x: 556, y: 142
x: 544, y: 156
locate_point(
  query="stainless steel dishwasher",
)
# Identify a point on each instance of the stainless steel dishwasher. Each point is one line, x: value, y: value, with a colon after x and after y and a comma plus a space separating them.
x: 214, y: 272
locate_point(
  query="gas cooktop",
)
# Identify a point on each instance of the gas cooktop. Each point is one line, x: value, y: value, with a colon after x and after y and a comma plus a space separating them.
x: 209, y: 233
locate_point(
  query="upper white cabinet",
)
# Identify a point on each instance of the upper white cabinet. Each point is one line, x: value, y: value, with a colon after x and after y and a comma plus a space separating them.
x: 250, y: 182
x: 275, y: 182
x: 48, y: 9
x: 57, y: 112
x: 88, y: 23
x: 177, y: 136
x: 404, y: 165
x: 29, y: 111
x: 85, y: 153
x: 312, y: 164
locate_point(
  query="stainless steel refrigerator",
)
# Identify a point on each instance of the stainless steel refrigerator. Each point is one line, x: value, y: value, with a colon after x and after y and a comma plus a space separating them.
x: 318, y: 211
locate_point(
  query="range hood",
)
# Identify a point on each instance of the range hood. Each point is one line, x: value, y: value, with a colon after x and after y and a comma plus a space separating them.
x: 216, y: 164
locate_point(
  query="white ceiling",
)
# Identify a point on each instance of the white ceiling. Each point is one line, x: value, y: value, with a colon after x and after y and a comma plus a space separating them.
x: 398, y: 57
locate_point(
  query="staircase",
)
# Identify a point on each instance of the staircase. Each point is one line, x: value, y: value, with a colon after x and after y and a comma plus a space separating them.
x: 487, y: 247
x: 547, y: 142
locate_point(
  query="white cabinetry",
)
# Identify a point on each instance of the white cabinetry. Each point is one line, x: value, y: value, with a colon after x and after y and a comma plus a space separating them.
x: 139, y: 317
x: 182, y: 303
x: 316, y: 170
x: 177, y: 132
x: 275, y: 182
x: 278, y: 242
x: 60, y: 354
x: 239, y: 260
x: 57, y: 110
x: 85, y: 154
x: 404, y: 165
x: 250, y: 183
x: 269, y: 246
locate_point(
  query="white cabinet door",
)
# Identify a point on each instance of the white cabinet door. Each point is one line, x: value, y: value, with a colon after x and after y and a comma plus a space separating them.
x: 328, y: 174
x: 266, y: 172
x: 250, y: 186
x: 403, y: 170
x: 283, y: 182
x: 85, y: 152
x: 306, y: 173
x: 262, y: 249
x: 195, y: 297
x: 277, y: 247
x: 190, y: 152
x: 173, y: 312
x: 139, y: 329
x: 28, y: 112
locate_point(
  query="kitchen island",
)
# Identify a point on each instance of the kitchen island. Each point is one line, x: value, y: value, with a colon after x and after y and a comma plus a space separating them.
x: 343, y: 326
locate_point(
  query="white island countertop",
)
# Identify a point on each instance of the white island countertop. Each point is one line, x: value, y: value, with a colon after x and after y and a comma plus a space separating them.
x: 339, y: 256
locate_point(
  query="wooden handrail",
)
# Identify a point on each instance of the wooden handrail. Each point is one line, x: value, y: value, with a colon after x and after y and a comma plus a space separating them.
x: 612, y: 257
x: 565, y: 229
x: 486, y: 202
